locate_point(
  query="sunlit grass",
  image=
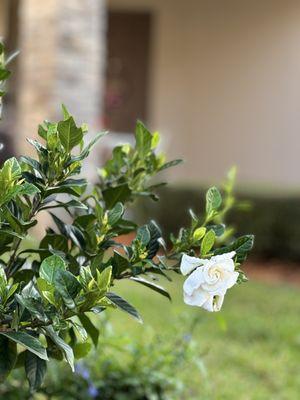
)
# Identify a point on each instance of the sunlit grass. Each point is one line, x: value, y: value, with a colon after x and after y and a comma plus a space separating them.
x: 251, y: 349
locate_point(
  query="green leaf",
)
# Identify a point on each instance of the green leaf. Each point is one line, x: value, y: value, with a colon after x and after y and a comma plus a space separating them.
x: 113, y: 195
x: 67, y: 286
x: 74, y: 191
x: 199, y: 233
x: 124, y: 305
x: 33, y: 305
x: 80, y: 329
x: 120, y: 263
x: 65, y: 111
x: 90, y: 328
x: 70, y: 231
x: 25, y: 275
x: 241, y: 246
x: 218, y: 229
x: 151, y: 285
x: 47, y: 291
x: 155, y: 140
x: 70, y: 135
x: 4, y: 74
x: 29, y: 342
x: 52, y: 137
x: 32, y: 163
x: 207, y: 242
x: 35, y: 369
x: 11, y: 169
x: 125, y: 226
x: 115, y: 214
x: 143, y: 235
x: 50, y: 268
x: 42, y: 132
x: 155, y: 240
x: 81, y: 350
x: 86, y: 151
x: 213, y: 200
x: 91, y: 144
x: 104, y: 279
x: 66, y: 205
x: 170, y: 164
x: 54, y: 241
x: 38, y: 146
x: 143, y: 139
x: 8, y: 357
x: 28, y: 188
x: 61, y: 344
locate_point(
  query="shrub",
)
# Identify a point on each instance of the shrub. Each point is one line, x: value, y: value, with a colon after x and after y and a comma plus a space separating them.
x: 49, y: 292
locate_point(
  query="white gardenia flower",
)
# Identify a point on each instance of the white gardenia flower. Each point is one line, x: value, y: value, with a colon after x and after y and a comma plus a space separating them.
x: 208, y: 283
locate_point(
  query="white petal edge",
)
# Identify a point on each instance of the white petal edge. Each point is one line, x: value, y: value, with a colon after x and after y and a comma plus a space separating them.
x: 188, y: 264
x: 222, y: 257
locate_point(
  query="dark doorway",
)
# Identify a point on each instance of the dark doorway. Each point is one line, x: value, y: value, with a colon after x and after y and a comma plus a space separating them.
x: 128, y: 48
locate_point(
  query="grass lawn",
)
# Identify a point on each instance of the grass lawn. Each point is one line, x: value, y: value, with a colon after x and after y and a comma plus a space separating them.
x: 251, y: 349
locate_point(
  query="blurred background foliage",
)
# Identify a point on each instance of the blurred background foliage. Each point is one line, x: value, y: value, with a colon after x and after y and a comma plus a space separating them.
x: 271, y: 218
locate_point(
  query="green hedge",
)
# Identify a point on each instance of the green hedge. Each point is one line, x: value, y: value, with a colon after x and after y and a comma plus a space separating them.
x: 274, y: 220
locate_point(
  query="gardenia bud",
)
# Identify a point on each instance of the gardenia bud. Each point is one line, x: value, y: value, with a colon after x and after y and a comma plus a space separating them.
x: 208, y: 283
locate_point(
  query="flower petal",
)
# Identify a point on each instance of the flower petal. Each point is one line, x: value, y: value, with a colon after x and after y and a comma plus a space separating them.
x: 194, y: 281
x: 197, y: 298
x: 218, y: 288
x: 232, y: 278
x: 208, y: 305
x: 214, y: 303
x: 188, y: 264
x: 222, y: 257
x: 227, y: 265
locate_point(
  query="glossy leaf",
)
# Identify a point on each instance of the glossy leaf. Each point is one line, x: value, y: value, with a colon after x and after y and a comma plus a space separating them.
x: 124, y: 305
x: 61, y: 344
x: 35, y: 369
x: 70, y: 136
x: 207, y: 242
x: 29, y: 342
x: 157, y: 288
x: 50, y: 267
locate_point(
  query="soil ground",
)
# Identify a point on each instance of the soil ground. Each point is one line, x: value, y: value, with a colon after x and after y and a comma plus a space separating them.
x: 273, y: 271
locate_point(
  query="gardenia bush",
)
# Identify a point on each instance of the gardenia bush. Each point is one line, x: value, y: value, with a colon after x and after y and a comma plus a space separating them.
x: 49, y: 292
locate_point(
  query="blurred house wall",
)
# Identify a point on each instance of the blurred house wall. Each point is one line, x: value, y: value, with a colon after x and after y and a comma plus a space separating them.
x: 61, y: 60
x: 2, y: 19
x: 225, y: 86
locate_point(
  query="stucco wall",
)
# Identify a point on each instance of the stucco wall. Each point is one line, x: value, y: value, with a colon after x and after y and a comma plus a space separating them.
x: 225, y: 86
